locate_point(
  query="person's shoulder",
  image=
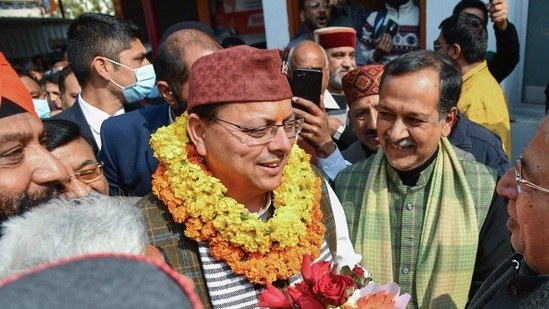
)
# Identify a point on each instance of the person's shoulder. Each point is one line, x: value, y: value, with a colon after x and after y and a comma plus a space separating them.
x: 472, y: 168
x: 359, y: 169
x: 73, y: 113
x: 148, y: 201
x: 297, y: 40
x: 135, y: 118
x: 481, y: 134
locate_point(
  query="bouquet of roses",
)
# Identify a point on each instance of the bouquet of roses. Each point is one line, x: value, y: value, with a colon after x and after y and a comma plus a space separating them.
x: 322, y: 288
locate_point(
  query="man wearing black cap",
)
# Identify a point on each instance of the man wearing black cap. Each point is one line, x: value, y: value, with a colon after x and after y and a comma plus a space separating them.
x: 29, y: 174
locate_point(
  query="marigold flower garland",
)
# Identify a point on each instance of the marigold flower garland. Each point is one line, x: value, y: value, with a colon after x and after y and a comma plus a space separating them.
x: 261, y: 251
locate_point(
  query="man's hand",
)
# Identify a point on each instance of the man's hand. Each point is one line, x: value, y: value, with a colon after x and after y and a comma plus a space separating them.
x: 333, y: 124
x: 384, y: 44
x: 315, y: 129
x: 498, y: 13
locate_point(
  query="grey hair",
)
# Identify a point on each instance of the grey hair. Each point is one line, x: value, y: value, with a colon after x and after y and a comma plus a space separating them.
x: 65, y: 228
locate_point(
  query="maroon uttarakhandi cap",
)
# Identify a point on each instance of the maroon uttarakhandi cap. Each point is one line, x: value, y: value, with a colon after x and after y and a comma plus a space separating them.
x: 330, y: 37
x: 236, y: 75
x: 362, y: 82
x: 15, y: 98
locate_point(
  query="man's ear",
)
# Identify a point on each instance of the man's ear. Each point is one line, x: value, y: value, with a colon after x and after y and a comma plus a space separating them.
x: 448, y: 122
x: 302, y: 16
x: 166, y: 93
x: 102, y: 67
x: 196, y: 129
x: 455, y: 51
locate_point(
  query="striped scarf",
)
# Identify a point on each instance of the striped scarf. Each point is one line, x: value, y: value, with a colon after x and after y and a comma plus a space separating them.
x: 449, y: 239
x: 228, y: 290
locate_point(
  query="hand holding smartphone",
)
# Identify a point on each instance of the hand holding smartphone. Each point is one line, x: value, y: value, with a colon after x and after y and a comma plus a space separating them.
x: 307, y: 84
x: 391, y: 28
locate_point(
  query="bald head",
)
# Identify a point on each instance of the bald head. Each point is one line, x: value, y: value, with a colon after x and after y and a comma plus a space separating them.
x: 309, y: 55
x: 179, y: 51
x: 176, y: 56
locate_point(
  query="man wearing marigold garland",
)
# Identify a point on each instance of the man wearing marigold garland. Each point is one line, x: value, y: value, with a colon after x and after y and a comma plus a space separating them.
x: 420, y: 211
x: 238, y: 202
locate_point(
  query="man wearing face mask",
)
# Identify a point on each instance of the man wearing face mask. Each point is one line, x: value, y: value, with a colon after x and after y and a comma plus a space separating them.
x: 130, y: 133
x: 110, y: 64
x: 38, y: 96
x: 389, y: 33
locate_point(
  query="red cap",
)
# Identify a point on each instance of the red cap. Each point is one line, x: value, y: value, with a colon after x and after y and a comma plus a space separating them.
x: 330, y: 37
x: 15, y: 98
x: 362, y: 82
x: 236, y: 75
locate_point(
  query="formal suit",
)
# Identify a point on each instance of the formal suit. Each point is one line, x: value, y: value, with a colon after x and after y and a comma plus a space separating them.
x: 75, y: 114
x: 127, y: 156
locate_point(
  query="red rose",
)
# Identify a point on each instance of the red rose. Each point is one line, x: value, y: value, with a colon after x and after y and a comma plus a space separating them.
x: 359, y: 271
x: 332, y: 289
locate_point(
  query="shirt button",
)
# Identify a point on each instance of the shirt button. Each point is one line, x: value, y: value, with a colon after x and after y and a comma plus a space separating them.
x: 405, y: 270
x: 512, y: 289
x: 409, y: 206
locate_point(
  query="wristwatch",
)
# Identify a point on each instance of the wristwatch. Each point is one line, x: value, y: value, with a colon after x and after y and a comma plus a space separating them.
x: 338, y: 132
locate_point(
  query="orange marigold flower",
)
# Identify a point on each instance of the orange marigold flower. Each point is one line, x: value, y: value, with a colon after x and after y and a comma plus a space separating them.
x: 248, y: 245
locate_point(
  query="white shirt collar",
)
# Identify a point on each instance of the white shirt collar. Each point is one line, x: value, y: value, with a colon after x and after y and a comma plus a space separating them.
x: 95, y: 117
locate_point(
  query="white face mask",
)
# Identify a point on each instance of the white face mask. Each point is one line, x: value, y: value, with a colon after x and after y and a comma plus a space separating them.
x: 41, y: 107
x: 145, y: 81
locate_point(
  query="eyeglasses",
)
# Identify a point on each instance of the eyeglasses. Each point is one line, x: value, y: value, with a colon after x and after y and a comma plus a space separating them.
x: 265, y: 134
x: 88, y: 174
x: 520, y: 180
x: 437, y: 46
x: 316, y: 5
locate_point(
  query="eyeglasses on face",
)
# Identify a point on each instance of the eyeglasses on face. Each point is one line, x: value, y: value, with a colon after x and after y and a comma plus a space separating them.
x: 317, y: 5
x: 520, y: 180
x: 265, y: 134
x: 437, y: 46
x: 88, y: 174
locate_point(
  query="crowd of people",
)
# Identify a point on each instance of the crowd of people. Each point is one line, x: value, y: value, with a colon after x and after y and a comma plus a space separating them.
x: 400, y: 163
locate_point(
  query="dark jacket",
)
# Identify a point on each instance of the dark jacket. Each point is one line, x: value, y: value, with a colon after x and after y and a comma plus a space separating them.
x: 507, y: 52
x: 127, y: 156
x: 75, y: 114
x: 484, y: 145
x: 513, y: 285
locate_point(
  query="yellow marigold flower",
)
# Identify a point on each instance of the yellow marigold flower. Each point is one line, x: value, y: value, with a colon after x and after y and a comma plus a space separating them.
x: 261, y: 251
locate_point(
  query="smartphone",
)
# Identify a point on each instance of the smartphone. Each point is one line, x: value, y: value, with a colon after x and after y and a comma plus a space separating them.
x: 307, y: 84
x: 391, y: 28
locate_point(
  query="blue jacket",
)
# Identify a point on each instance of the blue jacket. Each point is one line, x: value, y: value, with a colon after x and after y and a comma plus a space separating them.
x: 484, y: 145
x: 127, y: 156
